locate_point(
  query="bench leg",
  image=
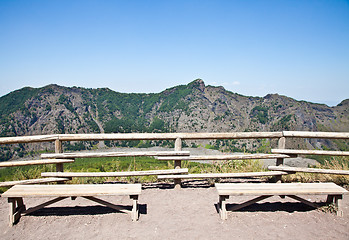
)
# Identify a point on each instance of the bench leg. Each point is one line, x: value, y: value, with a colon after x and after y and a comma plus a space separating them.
x: 135, y: 211
x: 330, y: 199
x: 16, y: 207
x: 222, y: 206
x: 338, y: 203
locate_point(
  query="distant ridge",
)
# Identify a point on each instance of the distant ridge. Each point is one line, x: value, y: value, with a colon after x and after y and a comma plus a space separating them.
x: 194, y: 107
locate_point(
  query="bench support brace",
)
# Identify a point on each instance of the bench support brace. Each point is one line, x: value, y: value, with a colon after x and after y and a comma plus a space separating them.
x: 222, y: 205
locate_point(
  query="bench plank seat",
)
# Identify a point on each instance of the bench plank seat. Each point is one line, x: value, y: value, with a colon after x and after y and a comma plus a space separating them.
x: 223, y: 175
x: 68, y: 190
x: 309, y: 152
x: 35, y: 162
x: 265, y: 190
x: 16, y: 194
x: 115, y: 154
x: 224, y: 157
x: 308, y: 170
x: 33, y: 181
x: 114, y: 174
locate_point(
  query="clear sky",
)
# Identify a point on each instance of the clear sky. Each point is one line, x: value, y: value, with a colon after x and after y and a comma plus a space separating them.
x: 295, y: 48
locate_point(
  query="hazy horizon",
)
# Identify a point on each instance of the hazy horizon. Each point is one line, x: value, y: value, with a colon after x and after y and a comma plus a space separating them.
x: 169, y: 88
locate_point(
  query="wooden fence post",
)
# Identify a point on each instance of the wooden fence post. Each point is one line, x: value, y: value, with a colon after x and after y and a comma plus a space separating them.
x: 58, y: 149
x: 178, y: 164
x: 280, y: 161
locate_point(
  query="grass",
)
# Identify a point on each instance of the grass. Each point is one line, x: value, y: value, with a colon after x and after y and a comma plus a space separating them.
x: 337, y: 163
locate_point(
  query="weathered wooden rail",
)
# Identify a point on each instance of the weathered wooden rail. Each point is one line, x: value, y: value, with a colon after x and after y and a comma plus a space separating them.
x: 59, y: 158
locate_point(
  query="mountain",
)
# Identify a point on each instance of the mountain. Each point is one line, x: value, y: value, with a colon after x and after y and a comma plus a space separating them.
x: 194, y: 107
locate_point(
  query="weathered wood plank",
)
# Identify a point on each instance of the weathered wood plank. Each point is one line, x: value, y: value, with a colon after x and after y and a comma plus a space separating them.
x: 33, y: 209
x: 305, y: 134
x: 76, y: 190
x: 115, y: 154
x: 223, y: 157
x: 28, y: 139
x: 32, y: 181
x: 279, y: 189
x: 114, y: 174
x: 308, y: 170
x: 108, y: 204
x: 171, y: 136
x: 223, y: 175
x: 309, y: 152
x: 168, y: 136
x: 248, y: 203
x: 311, y: 204
x: 34, y: 162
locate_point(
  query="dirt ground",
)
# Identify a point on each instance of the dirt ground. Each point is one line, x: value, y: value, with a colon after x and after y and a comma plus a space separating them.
x: 167, y: 213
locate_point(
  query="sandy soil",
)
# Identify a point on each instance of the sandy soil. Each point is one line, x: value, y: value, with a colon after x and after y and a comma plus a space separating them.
x: 167, y: 213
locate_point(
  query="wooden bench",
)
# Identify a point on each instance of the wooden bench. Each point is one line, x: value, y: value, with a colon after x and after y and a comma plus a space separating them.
x: 224, y: 175
x: 30, y: 163
x: 115, y: 154
x: 114, y: 174
x: 308, y: 170
x: 296, y: 152
x: 33, y: 181
x: 223, y: 157
x: 34, y: 162
x: 265, y: 190
x: 16, y: 194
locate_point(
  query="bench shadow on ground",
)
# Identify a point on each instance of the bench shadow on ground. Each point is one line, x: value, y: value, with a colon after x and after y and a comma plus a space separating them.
x: 289, y: 207
x: 84, y: 210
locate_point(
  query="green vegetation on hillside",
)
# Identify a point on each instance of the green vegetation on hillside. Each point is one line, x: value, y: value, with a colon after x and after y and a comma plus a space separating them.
x: 260, y: 114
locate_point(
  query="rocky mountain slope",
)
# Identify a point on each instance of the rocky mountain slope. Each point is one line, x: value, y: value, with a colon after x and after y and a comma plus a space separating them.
x: 187, y: 108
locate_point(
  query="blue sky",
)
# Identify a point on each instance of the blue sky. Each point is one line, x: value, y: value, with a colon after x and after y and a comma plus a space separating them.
x: 295, y: 48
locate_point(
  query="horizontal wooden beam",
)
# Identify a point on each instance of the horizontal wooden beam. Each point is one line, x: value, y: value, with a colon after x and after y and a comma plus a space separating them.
x: 224, y: 157
x: 34, y: 162
x: 224, y: 175
x: 171, y: 136
x: 305, y: 134
x: 115, y: 154
x: 28, y: 139
x: 73, y: 190
x: 308, y: 170
x: 32, y: 181
x: 114, y: 174
x: 138, y: 136
x: 168, y: 136
x: 309, y: 152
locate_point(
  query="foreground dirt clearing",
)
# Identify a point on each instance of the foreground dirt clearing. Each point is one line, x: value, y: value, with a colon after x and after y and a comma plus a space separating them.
x: 166, y: 213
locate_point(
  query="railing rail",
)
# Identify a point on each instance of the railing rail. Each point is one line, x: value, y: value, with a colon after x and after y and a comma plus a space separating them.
x: 138, y: 136
x: 323, y: 135
x: 171, y: 136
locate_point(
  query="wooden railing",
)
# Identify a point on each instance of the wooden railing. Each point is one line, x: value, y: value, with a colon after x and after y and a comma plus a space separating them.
x: 279, y: 154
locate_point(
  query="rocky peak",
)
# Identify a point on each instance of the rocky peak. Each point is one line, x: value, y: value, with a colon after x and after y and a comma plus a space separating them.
x: 198, y: 84
x: 344, y: 103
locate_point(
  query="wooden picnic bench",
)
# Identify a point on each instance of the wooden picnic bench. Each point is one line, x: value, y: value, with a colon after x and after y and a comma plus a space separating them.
x: 34, y: 162
x: 265, y: 190
x: 16, y: 194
